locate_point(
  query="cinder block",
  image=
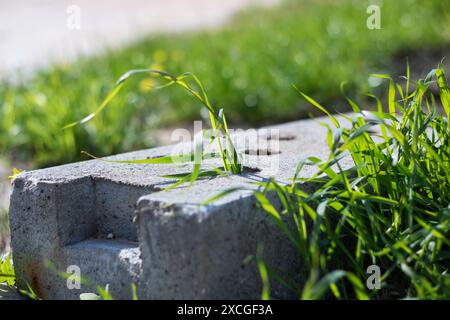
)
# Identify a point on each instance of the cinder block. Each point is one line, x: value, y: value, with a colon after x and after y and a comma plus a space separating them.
x: 113, y: 221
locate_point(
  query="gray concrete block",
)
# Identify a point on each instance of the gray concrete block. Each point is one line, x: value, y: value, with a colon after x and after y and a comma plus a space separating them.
x: 208, y: 253
x: 113, y: 221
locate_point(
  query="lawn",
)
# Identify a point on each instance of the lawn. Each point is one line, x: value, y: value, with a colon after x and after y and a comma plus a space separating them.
x: 248, y: 66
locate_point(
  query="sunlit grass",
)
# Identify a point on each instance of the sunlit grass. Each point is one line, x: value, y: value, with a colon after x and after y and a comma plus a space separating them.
x: 391, y: 209
x: 7, y: 275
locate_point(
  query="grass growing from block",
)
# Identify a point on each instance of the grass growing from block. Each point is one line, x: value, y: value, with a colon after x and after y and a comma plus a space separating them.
x: 391, y: 209
x: 7, y: 270
x: 220, y: 133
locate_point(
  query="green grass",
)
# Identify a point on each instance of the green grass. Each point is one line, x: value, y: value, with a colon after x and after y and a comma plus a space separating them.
x: 248, y: 66
x: 7, y: 275
x: 218, y: 134
x: 390, y: 209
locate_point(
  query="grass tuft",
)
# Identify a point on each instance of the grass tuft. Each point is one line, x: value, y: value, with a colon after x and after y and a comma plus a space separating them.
x: 390, y: 209
x: 220, y: 133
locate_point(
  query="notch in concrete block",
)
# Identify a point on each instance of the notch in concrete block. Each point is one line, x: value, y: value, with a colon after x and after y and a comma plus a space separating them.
x: 59, y: 221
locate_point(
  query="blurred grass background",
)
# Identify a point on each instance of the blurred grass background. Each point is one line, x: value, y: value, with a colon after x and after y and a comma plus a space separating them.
x: 4, y: 230
x: 248, y: 67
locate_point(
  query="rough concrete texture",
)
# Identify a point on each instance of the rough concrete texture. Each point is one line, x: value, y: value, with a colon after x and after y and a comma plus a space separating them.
x: 113, y: 222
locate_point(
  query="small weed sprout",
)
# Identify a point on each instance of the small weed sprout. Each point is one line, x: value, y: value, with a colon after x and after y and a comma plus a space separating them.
x: 220, y: 132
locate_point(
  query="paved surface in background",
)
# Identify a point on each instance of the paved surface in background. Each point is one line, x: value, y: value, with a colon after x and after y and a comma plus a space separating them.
x: 34, y: 33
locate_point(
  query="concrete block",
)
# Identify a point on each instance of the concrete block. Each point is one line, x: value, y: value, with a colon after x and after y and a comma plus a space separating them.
x: 113, y: 221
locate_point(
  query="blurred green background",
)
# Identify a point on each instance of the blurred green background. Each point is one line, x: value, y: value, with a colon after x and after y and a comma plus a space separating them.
x: 247, y: 65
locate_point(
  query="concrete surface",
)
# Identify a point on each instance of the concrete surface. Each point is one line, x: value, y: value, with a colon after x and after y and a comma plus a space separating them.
x: 35, y: 33
x: 113, y: 222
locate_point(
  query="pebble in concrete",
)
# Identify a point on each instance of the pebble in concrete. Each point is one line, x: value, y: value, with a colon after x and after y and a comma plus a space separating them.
x: 112, y: 221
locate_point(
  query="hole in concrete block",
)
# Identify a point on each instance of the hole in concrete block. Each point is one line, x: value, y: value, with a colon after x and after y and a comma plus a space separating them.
x: 282, y: 137
x: 262, y: 152
x: 250, y: 170
x: 154, y: 157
